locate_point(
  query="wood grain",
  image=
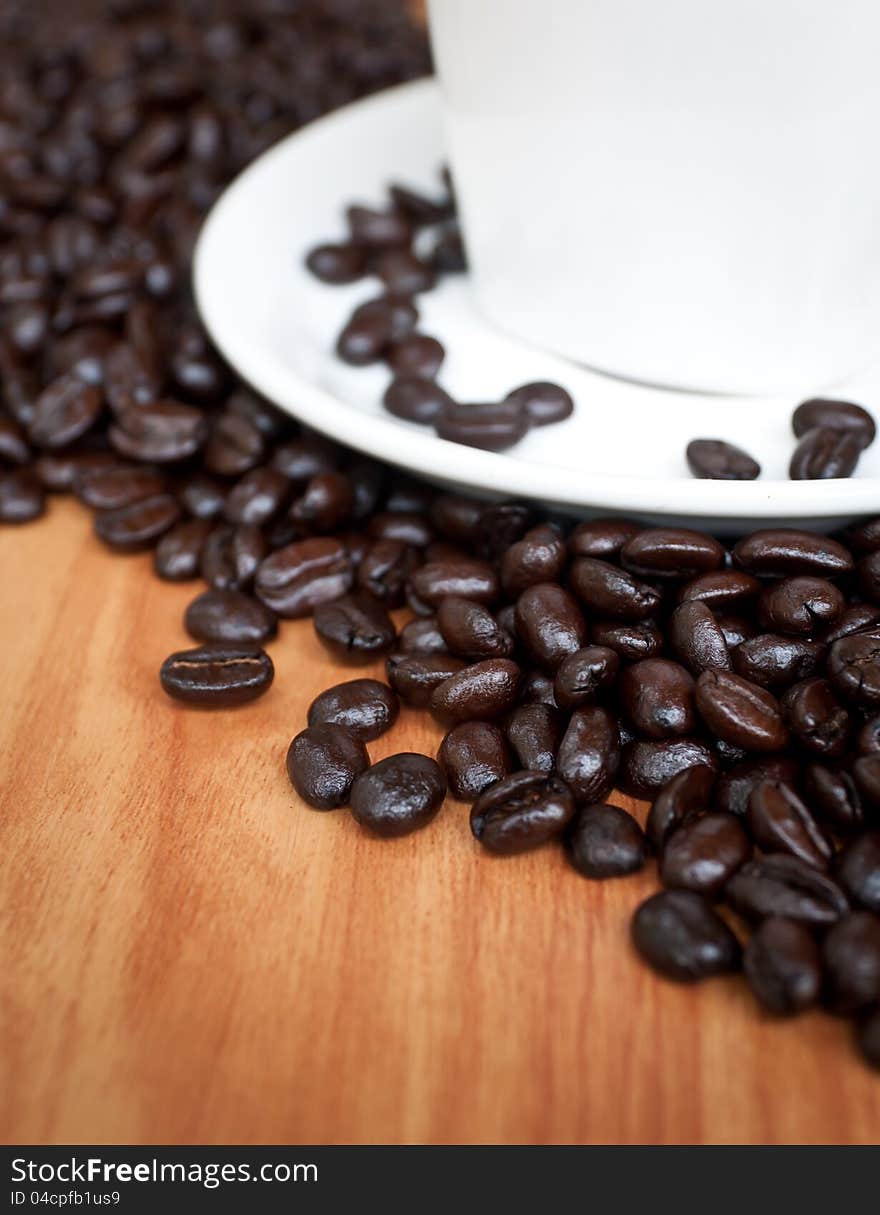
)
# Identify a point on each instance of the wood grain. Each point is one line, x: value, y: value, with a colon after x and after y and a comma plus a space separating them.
x: 192, y: 956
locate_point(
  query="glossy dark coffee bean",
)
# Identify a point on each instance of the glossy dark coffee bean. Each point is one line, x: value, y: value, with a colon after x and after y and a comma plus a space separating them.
x: 407, y: 527
x: 64, y: 412
x: 549, y: 624
x: 817, y: 720
x: 295, y: 579
x: 602, y: 538
x: 377, y: 229
x: 833, y: 796
x: 340, y: 263
x: 854, y: 668
x: 583, y: 675
x: 534, y: 732
x: 537, y: 688
x: 857, y: 869
x: 421, y: 636
x: 671, y: 552
x: 823, y: 453
x: 323, y: 762
x: 481, y: 692
x: 538, y: 557
x: 489, y: 425
x: 648, y: 764
x: 132, y: 528
x: 864, y: 536
x: 471, y: 631
x: 217, y: 676
x: 366, y: 708
x: 500, y: 525
x: 545, y: 403
x: 774, y: 661
x: 373, y: 327
x: 589, y: 754
x: 834, y: 415
x: 456, y: 518
x: 437, y: 580
x: 415, y: 677
x: 780, y: 822
x: 229, y: 616
x: 781, y: 552
x: 783, y: 968
x: 679, y: 935
x: 305, y: 457
x: 418, y: 356
x: 232, y: 555
x: 384, y: 569
x: 866, y: 771
x: 403, y: 272
x: 258, y: 496
x: 800, y: 606
x: 868, y: 1038
x: 868, y: 738
x: 605, y: 590
x: 851, y: 963
x: 112, y: 486
x: 702, y: 854
x: 631, y: 642
x: 687, y: 795
x: 781, y: 885
x: 58, y: 472
x: 325, y: 503
x: 869, y: 577
x: 719, y: 461
x: 697, y: 638
x: 657, y: 697
x: 857, y: 618
x: 201, y: 496
x: 398, y: 795
x: 355, y: 628
x: 740, y: 712
x: 416, y: 399
x: 22, y: 496
x: 234, y: 446
x: 735, y: 786
x: 604, y: 842
x: 736, y: 629
x: 721, y: 589
x: 129, y: 379
x: 473, y: 756
x: 178, y: 555
x: 522, y: 812
x: 162, y: 433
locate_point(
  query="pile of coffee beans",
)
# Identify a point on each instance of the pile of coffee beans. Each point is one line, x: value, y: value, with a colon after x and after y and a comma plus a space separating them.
x: 734, y: 687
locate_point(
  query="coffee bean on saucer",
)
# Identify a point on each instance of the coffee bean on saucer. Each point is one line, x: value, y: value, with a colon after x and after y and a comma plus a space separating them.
x: 416, y: 355
x: 341, y: 263
x: 402, y: 272
x: 834, y: 415
x: 398, y: 795
x: 217, y: 676
x: 678, y: 934
x: 323, y: 762
x: 491, y: 426
x: 416, y: 399
x: 716, y: 460
x: 545, y: 403
x: 375, y: 228
x: 824, y: 453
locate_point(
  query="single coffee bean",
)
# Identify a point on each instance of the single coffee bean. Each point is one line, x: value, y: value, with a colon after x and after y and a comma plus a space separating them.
x: 589, y: 754
x: 201, y: 496
x: 416, y: 399
x: 630, y: 642
x: 657, y: 697
x: 373, y: 327
x: 162, y: 433
x: 217, y: 676
x: 774, y: 661
x: 780, y: 822
x: 603, y: 538
x: 780, y: 552
x: 816, y: 718
x: 851, y: 962
x: 437, y: 580
x: 686, y: 795
x: 823, y: 453
x: 414, y: 677
x: 728, y: 756
x: 583, y: 675
x: 471, y: 631
x: 384, y: 568
x: 854, y: 668
x: 416, y: 355
x: 549, y: 624
x: 719, y: 461
x: 257, y: 497
x: 869, y: 576
x: 857, y: 618
x: 521, y: 812
x: 681, y: 937
x: 606, y: 590
x: 323, y: 762
x: 800, y: 605
x: 868, y: 1038
x: 832, y: 794
x: 473, y: 756
x: 407, y: 527
x: 534, y: 732
x: 544, y: 403
x: 500, y: 525
x: 781, y: 885
x: 857, y: 869
x: 234, y: 446
x: 355, y: 628
x: 834, y: 415
x: 538, y: 557
x: 721, y: 589
x: 13, y: 445
x: 702, y: 854
x: 366, y: 708
x: 864, y: 536
x: 295, y: 579
x: 782, y: 965
x: 229, y: 616
x: 22, y: 497
x: 480, y: 692
x: 868, y: 737
x: 178, y: 554
x: 604, y: 842
x: 398, y: 795
x: 109, y: 487
x: 305, y: 457
x: 537, y: 688
x: 736, y: 629
x: 64, y: 411
x: 372, y: 227
x: 697, y: 638
x: 421, y: 636
x: 671, y: 552
x: 648, y: 764
x: 735, y: 786
x: 456, y: 518
x: 402, y: 272
x: 489, y: 425
x: 132, y: 528
x: 232, y: 555
x: 341, y: 263
x: 866, y: 771
x: 740, y: 712
x: 325, y: 503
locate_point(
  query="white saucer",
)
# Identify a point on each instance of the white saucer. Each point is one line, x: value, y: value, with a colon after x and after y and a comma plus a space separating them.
x: 622, y: 452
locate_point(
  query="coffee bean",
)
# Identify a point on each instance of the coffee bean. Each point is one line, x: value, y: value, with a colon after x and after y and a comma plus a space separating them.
x: 702, y: 854
x: 630, y: 641
x: 402, y: 272
x: 544, y: 403
x: 231, y: 556
x: 831, y: 793
x: 418, y: 208
x: 671, y: 552
x: 480, y: 692
x: 521, y: 812
x: 398, y: 795
x: 340, y: 263
x: 606, y: 590
x: 234, y: 446
x: 384, y: 569
x: 740, y: 712
x: 834, y: 415
x: 132, y: 528
x: 735, y: 786
x: 854, y: 668
x: 863, y: 536
x: 416, y: 356
x: 604, y: 841
x: 780, y: 552
x: 680, y: 936
x: 657, y: 697
x: 851, y: 962
x: 823, y: 453
x: 415, y: 677
x: 816, y: 718
x: 21, y: 497
x: 800, y: 605
x: 857, y: 618
x: 774, y: 661
x: 229, y: 616
x: 375, y: 228
x: 355, y: 628
x: 366, y: 708
x: 421, y: 636
x: 296, y: 578
x: 868, y: 738
x: 202, y: 496
x: 305, y: 457
x: 449, y: 255
x: 857, y: 869
x: 719, y: 461
x: 373, y: 327
x: 648, y: 764
x: 603, y: 538
x: 538, y: 557
x: 697, y: 638
x: 780, y: 822
x: 489, y: 425
x: 686, y: 795
x: 867, y: 775
x: 473, y: 756
x: 161, y: 433
x: 782, y: 965
x: 64, y: 411
x: 534, y: 733
x: 721, y: 589
x: 869, y: 576
x: 178, y: 554
x: 323, y: 762
x: 13, y: 445
x: 581, y: 676
x: 735, y: 629
x: 471, y: 631
x: 258, y: 496
x: 217, y: 676
x: 437, y: 580
x: 782, y: 885
x: 589, y: 754
x: 549, y: 624
x: 416, y: 399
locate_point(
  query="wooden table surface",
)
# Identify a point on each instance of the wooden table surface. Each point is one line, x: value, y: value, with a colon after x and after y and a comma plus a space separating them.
x: 192, y: 956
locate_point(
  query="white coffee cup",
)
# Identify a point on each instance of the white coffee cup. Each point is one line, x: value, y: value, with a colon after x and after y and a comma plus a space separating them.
x: 677, y: 191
